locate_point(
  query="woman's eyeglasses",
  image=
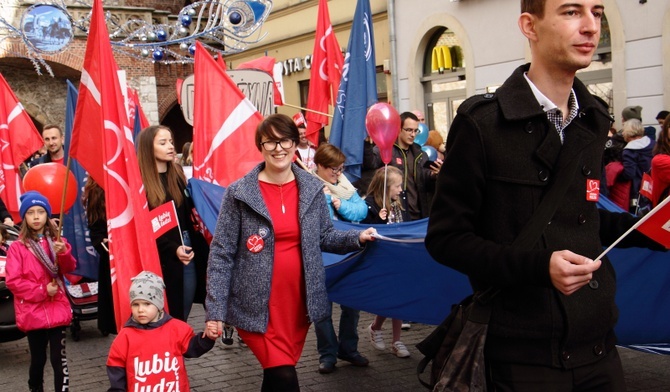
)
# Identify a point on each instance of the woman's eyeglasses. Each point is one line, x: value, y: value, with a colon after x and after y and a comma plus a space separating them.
x: 337, y: 170
x: 271, y: 145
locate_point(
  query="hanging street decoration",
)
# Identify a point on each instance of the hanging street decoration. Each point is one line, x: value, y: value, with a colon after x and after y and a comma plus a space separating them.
x: 221, y: 26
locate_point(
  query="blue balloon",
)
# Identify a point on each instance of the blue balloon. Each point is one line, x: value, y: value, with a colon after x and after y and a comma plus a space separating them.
x: 430, y: 152
x: 422, y: 136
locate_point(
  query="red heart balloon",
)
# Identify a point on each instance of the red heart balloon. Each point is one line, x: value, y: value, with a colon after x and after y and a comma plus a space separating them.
x: 49, y: 179
x: 383, y: 125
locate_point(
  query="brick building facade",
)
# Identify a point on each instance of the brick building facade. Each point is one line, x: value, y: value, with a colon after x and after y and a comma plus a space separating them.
x: 43, y: 96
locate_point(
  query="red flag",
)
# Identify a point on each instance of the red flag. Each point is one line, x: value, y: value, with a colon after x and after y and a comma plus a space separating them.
x: 646, y: 187
x: 163, y: 218
x: 19, y: 139
x: 224, y: 125
x: 656, y: 224
x: 327, y: 63
x: 102, y: 143
x: 265, y: 64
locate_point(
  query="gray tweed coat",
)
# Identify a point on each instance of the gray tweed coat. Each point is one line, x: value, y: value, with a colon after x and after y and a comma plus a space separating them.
x: 238, y: 281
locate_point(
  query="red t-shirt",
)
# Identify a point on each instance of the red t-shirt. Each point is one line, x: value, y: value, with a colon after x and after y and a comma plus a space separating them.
x: 153, y: 357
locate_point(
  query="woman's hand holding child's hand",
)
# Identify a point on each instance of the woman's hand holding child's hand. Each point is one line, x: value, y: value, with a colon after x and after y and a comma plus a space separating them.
x: 213, y: 329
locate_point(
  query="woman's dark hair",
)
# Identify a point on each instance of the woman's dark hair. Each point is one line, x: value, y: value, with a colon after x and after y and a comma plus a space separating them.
x: 94, y: 201
x: 156, y: 194
x: 277, y: 126
x: 663, y: 143
x: 186, y: 158
x: 328, y: 155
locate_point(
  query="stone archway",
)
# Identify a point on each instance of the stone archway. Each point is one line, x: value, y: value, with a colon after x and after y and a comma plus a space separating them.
x: 42, y: 96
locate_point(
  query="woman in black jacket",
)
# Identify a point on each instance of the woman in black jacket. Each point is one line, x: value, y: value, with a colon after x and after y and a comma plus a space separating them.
x: 183, y: 256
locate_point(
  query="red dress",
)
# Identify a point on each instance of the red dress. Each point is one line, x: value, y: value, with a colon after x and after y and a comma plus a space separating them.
x: 284, y: 340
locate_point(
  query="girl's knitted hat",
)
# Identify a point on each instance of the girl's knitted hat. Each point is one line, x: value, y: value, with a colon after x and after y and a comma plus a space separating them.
x: 31, y: 199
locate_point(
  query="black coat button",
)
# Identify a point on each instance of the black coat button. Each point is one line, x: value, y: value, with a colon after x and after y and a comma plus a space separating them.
x: 586, y: 170
x: 543, y: 175
x: 565, y: 355
x: 528, y: 127
x: 581, y: 219
x: 594, y: 284
x: 598, y: 349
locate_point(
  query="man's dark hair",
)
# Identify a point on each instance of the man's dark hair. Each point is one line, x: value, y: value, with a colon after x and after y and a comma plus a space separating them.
x: 405, y: 115
x: 50, y: 126
x: 533, y: 7
x: 662, y: 114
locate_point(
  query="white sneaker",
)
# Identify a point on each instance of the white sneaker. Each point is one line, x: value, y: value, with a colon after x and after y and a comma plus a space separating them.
x: 399, y: 350
x: 376, y: 338
x: 405, y: 326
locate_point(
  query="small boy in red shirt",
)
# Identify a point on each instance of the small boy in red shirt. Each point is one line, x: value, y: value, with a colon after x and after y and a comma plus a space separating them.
x: 150, y: 349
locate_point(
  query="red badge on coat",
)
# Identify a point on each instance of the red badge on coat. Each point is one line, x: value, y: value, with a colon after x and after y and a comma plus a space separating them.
x: 398, y: 161
x: 255, y: 243
x: 592, y: 190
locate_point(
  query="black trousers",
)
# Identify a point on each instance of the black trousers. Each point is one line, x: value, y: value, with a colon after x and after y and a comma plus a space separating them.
x: 605, y: 375
x: 37, y: 342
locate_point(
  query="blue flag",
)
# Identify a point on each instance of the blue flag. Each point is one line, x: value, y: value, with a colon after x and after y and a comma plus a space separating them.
x: 75, y: 225
x: 357, y: 92
x: 137, y: 124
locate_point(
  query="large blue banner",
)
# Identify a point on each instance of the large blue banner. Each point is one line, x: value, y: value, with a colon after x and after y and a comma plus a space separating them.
x: 399, y: 279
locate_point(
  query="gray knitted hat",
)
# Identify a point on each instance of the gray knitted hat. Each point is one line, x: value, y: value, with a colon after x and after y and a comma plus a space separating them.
x: 630, y: 112
x: 149, y: 287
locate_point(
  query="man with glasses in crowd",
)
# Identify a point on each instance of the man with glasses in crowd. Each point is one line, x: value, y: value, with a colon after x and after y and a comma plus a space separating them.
x: 418, y: 175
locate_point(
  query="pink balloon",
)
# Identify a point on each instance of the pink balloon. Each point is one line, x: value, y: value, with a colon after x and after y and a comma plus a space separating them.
x: 383, y: 125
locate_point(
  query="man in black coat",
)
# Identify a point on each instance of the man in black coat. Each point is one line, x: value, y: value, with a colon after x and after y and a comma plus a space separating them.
x: 551, y: 326
x: 413, y: 163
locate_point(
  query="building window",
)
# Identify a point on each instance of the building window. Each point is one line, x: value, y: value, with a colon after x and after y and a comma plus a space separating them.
x: 598, y: 75
x: 443, y: 79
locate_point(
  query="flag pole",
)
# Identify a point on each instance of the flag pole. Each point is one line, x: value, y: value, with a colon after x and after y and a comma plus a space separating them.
x: 635, y: 226
x: 62, y: 200
x: 307, y: 110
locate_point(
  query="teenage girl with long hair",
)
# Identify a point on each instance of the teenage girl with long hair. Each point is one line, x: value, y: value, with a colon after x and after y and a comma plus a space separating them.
x: 184, y: 265
x: 36, y: 263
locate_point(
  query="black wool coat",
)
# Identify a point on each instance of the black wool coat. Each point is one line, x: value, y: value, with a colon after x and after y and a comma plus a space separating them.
x: 503, y: 154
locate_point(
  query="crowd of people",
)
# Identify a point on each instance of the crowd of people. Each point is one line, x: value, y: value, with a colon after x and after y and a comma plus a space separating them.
x: 628, y: 157
x: 553, y: 315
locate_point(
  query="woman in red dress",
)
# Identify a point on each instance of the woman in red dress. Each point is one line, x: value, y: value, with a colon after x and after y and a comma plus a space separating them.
x: 265, y: 273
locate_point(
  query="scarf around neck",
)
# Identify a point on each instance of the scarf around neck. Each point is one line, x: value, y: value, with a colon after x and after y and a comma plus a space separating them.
x: 343, y: 189
x: 48, y: 261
